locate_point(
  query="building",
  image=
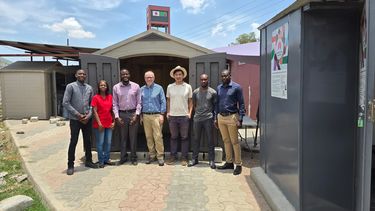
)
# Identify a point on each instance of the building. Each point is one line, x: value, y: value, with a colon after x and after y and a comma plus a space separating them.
x: 32, y: 89
x: 317, y: 103
x: 243, y: 61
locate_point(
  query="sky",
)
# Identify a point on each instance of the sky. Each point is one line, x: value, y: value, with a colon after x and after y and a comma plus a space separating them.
x: 100, y: 23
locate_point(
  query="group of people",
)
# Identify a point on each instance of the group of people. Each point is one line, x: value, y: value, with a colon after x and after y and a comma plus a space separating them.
x: 131, y: 105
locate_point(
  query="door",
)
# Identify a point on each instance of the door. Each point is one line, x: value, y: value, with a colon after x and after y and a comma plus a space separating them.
x: 212, y: 65
x: 366, y: 111
x: 102, y: 68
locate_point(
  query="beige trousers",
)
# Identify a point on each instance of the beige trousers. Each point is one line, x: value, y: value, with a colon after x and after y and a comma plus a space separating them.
x: 229, y: 133
x: 154, y: 135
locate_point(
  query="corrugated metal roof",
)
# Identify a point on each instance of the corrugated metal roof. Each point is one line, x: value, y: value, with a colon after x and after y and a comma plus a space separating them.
x: 247, y: 49
x: 58, y: 51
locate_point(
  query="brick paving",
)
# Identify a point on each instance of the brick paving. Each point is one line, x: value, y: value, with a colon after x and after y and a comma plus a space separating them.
x: 43, y: 148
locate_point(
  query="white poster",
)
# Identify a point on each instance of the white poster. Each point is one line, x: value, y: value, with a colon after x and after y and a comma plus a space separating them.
x: 279, y: 62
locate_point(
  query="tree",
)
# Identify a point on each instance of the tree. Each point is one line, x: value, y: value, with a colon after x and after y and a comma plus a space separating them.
x: 246, y: 38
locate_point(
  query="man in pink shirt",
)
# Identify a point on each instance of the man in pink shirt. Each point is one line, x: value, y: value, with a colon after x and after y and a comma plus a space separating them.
x: 126, y: 108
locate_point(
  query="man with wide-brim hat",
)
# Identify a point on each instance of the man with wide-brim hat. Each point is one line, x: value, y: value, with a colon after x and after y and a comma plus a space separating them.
x: 179, y: 108
x: 184, y: 72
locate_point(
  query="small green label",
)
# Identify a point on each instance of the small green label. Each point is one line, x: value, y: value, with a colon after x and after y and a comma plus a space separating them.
x: 360, y: 122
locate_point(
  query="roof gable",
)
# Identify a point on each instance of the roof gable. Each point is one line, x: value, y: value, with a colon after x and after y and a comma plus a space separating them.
x: 153, y: 37
x: 158, y: 38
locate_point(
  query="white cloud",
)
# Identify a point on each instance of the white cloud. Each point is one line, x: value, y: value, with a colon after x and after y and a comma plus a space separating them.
x: 254, y: 28
x: 100, y: 4
x: 195, y: 6
x: 226, y: 25
x: 13, y: 13
x: 72, y: 27
x: 218, y: 29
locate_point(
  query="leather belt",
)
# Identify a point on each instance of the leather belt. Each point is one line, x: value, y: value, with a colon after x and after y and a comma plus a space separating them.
x: 227, y: 113
x: 150, y: 113
x: 128, y: 111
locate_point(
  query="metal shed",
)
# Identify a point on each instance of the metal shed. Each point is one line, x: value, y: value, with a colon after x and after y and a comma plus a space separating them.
x: 316, y: 112
x: 161, y: 52
x: 28, y: 89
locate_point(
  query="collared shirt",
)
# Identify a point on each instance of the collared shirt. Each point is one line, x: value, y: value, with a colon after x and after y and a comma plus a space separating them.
x: 126, y: 97
x: 230, y: 99
x: 153, y: 99
x: 204, y: 103
x: 179, y: 98
x: 77, y: 99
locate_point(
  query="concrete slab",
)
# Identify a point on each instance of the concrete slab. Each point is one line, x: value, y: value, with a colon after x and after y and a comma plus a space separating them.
x: 272, y: 193
x: 43, y: 148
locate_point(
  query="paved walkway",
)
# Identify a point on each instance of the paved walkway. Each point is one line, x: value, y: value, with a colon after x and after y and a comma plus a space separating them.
x: 43, y: 147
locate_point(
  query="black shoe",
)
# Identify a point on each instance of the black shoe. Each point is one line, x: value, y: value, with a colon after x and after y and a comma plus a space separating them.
x: 134, y: 162
x: 212, y: 164
x: 120, y: 162
x: 109, y: 163
x: 238, y: 170
x: 193, y: 162
x: 70, y: 171
x: 150, y: 160
x: 161, y: 162
x: 101, y: 165
x: 226, y: 166
x: 91, y: 165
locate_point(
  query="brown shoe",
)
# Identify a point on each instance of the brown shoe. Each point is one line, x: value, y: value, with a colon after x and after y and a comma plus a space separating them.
x: 184, y: 162
x: 171, y: 160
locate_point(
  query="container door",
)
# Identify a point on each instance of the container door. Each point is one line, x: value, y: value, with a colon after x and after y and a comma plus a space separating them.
x: 102, y: 68
x: 365, y: 179
x: 212, y: 65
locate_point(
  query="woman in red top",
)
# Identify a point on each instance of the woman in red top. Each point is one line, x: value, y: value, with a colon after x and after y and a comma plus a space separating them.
x: 103, y: 122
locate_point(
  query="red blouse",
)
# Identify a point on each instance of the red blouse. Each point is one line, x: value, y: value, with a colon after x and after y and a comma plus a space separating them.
x: 104, y: 108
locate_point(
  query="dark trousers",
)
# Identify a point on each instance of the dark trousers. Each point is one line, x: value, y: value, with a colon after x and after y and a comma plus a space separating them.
x: 75, y: 127
x: 199, y: 127
x: 179, y: 125
x: 128, y: 132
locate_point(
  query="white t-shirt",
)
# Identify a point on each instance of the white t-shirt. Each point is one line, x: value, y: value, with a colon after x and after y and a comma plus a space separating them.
x: 179, y: 98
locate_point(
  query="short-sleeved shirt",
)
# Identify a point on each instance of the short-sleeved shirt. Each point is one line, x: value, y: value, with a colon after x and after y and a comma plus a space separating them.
x: 103, y: 107
x: 179, y: 98
x: 204, y: 101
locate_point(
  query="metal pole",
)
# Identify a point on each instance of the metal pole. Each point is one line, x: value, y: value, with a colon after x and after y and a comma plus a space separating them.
x: 54, y: 94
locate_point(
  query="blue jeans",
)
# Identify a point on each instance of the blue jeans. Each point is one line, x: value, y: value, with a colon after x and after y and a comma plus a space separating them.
x: 103, y: 144
x: 179, y: 125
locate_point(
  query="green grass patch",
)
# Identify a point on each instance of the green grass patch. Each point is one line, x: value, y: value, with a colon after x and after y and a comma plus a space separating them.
x: 10, y: 162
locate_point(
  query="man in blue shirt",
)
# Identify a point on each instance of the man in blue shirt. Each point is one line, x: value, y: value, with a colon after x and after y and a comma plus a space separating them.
x: 230, y: 109
x: 153, y: 109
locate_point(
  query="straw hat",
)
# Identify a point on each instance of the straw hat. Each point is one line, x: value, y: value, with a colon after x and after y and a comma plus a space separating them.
x: 184, y: 72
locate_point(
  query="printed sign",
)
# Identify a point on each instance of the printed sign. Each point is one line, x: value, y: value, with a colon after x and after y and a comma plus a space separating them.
x: 279, y: 62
